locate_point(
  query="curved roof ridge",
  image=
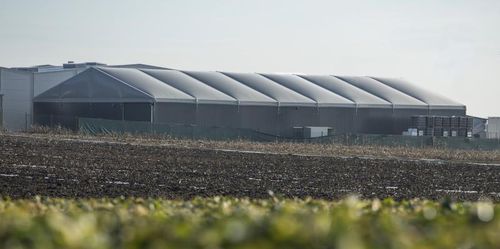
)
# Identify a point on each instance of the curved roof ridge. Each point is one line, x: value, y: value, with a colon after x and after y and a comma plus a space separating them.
x: 92, y: 83
x: 155, y: 88
x: 140, y: 70
x: 229, y: 76
x: 265, y: 76
x: 213, y: 88
x: 238, y: 99
x: 404, y: 92
x: 194, y: 78
x: 360, y: 89
x: 378, y: 96
x: 316, y: 92
x: 208, y: 85
x: 192, y: 84
x: 123, y: 82
x: 352, y: 98
x: 431, y: 98
x: 312, y: 81
x: 396, y: 100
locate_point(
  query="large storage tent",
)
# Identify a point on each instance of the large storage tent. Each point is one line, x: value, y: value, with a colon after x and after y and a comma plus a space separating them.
x: 269, y: 103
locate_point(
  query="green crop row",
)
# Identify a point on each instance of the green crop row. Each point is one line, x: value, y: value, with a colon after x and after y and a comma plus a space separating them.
x: 222, y: 222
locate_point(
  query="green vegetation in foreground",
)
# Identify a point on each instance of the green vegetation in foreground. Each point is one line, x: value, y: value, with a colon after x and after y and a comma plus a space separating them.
x: 221, y: 222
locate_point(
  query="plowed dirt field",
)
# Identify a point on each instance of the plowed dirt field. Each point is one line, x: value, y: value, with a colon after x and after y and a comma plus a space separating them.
x: 76, y: 168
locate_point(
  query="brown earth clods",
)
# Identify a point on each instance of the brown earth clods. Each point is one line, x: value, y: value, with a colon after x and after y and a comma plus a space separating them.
x: 73, y: 168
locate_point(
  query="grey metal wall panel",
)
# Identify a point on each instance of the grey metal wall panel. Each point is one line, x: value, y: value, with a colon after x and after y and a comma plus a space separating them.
x: 290, y: 117
x: 319, y: 94
x: 175, y: 113
x: 339, y: 118
x: 218, y: 116
x: 447, y: 112
x: 260, y: 118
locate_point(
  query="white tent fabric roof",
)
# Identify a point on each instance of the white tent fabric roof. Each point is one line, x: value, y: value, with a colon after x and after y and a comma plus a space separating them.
x: 112, y: 84
x: 284, y: 96
x: 431, y: 98
x: 346, y: 90
x: 321, y: 96
x: 244, y: 94
x: 389, y: 94
x: 201, y: 92
x: 147, y: 84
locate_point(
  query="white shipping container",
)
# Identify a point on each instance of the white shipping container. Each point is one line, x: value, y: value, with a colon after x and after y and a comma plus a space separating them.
x: 315, y: 131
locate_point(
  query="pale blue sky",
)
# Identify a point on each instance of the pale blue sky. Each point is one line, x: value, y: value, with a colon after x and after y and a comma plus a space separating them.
x: 448, y: 46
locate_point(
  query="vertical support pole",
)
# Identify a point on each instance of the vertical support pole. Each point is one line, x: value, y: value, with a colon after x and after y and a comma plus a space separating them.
x: 152, y: 108
x: 278, y: 119
x: 32, y: 96
x: 1, y: 106
x: 393, y: 118
x: 196, y: 119
x: 356, y: 120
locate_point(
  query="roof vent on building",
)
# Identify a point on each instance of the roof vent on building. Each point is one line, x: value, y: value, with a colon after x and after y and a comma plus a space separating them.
x: 72, y: 64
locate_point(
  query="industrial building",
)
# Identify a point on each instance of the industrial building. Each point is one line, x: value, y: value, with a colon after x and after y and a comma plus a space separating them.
x: 269, y: 103
x: 19, y: 85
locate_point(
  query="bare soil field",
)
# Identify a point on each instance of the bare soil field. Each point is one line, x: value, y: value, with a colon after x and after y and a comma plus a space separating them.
x: 316, y: 149
x: 59, y: 166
